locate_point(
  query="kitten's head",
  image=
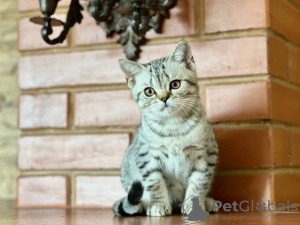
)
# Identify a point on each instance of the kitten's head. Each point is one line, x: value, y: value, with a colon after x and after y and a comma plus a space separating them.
x: 164, y: 87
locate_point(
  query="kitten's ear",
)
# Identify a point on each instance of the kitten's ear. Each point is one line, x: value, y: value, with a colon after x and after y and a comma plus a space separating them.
x: 131, y: 69
x: 183, y: 54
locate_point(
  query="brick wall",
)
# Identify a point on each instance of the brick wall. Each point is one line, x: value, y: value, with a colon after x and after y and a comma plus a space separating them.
x: 75, y: 104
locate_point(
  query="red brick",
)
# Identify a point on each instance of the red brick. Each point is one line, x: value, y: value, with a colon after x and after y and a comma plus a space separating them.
x: 43, y: 111
x: 280, y: 144
x: 42, y: 191
x: 296, y: 148
x: 106, y: 108
x: 98, y: 191
x: 71, y: 69
x: 88, y: 32
x: 294, y: 66
x: 181, y: 21
x: 253, y: 148
x: 264, y: 101
x: 28, y: 5
x: 285, y: 104
x: 287, y: 188
x: 92, y: 151
x: 220, y: 58
x: 229, y: 188
x: 244, y: 148
x: 150, y: 53
x: 277, y: 58
x: 226, y: 15
x: 213, y: 59
x: 227, y: 102
x: 223, y: 57
x: 30, y: 35
x: 285, y: 19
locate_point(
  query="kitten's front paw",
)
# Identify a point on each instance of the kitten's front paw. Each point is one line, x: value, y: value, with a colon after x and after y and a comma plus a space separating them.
x: 187, y: 207
x: 159, y: 209
x: 209, y: 202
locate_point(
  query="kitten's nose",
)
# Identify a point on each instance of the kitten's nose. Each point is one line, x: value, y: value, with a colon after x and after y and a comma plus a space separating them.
x: 164, y: 96
x: 164, y: 99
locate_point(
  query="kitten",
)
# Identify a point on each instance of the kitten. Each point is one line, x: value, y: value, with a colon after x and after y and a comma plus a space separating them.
x: 174, y: 153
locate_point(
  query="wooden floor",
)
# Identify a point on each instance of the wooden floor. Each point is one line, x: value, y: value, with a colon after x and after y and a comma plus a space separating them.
x: 10, y: 215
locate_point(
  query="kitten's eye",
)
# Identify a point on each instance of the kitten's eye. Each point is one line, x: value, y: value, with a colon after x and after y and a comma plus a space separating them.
x: 175, y: 84
x: 149, y: 92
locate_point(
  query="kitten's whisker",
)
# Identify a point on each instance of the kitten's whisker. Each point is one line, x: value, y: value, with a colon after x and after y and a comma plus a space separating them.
x: 189, y: 101
x: 190, y: 104
x: 185, y: 99
x: 188, y: 108
x: 191, y: 107
x: 180, y: 108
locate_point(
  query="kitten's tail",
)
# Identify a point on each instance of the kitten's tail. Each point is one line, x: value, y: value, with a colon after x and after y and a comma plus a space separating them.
x: 129, y: 206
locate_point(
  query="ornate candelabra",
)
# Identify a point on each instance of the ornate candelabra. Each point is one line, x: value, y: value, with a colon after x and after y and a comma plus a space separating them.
x: 131, y: 19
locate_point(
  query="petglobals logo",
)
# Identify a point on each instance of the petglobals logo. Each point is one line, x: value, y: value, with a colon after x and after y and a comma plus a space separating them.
x: 246, y: 206
x: 196, y: 213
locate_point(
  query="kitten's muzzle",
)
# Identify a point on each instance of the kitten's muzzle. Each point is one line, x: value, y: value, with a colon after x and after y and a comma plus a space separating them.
x: 164, y: 97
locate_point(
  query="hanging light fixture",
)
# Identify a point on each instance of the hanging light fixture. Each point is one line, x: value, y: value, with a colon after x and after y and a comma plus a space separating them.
x: 131, y: 19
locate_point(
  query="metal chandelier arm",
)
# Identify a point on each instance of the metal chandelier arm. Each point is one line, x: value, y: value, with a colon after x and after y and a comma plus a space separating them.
x: 74, y: 16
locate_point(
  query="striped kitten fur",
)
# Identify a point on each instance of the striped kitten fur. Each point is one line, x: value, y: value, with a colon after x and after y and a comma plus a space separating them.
x: 174, y: 153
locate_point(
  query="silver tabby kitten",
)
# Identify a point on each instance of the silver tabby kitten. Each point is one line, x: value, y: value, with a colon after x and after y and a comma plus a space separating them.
x: 174, y: 153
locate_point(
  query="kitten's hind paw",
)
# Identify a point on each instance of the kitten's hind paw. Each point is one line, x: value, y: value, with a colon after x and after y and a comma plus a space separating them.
x: 159, y: 209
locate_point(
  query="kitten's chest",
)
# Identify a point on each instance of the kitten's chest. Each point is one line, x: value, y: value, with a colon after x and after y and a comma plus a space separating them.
x: 175, y: 159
